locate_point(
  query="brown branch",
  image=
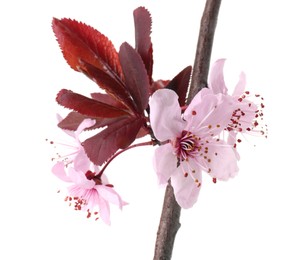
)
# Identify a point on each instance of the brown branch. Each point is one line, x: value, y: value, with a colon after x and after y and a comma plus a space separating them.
x: 169, y: 225
x: 170, y: 216
x: 204, y: 47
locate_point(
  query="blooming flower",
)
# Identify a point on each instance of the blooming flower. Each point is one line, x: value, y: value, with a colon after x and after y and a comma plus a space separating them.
x: 246, y: 116
x: 88, y: 192
x: 190, y: 142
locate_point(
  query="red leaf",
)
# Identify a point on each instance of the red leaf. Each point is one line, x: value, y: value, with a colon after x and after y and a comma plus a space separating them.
x: 136, y: 79
x: 80, y: 41
x: 118, y: 135
x: 180, y: 84
x: 87, y: 106
x: 105, y: 98
x: 106, y: 81
x: 73, y: 120
x: 143, y: 24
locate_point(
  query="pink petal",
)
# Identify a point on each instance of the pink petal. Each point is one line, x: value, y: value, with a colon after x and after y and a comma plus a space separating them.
x: 59, y: 171
x: 240, y: 86
x: 216, y: 78
x: 110, y: 195
x: 231, y: 141
x: 209, y: 114
x: 79, y: 178
x: 223, y: 163
x: 200, y: 107
x: 165, y: 163
x: 165, y: 114
x: 185, y: 188
x: 81, y: 160
x: 104, y: 208
x: 83, y: 125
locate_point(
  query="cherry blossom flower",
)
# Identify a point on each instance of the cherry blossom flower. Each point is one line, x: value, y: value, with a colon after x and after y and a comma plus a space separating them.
x: 88, y: 192
x: 247, y: 116
x: 190, y: 142
x: 76, y: 153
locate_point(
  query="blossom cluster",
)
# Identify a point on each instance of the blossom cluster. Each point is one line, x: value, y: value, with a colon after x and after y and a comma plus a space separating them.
x: 193, y: 138
x: 204, y: 137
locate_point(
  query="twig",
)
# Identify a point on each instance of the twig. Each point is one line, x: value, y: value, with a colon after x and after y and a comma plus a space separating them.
x: 169, y: 222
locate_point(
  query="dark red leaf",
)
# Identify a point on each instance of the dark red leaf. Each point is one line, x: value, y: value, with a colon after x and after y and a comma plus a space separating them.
x: 87, y: 106
x: 143, y: 24
x: 106, y: 81
x: 74, y: 119
x: 180, y: 84
x: 71, y: 121
x: 136, y: 79
x: 105, y: 98
x: 142, y: 132
x: 80, y: 41
x: 118, y: 135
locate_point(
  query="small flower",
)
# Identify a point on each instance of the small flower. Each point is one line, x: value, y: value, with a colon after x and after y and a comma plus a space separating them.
x: 76, y: 154
x: 247, y: 116
x: 190, y: 142
x: 88, y: 192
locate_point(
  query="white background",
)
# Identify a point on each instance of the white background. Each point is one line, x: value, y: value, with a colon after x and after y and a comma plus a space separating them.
x: 254, y: 216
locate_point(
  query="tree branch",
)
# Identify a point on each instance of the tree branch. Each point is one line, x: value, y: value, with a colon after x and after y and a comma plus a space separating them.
x: 169, y: 225
x: 204, y: 47
x: 169, y: 222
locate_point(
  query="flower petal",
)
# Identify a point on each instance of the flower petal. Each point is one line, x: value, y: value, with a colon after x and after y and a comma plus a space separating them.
x: 104, y: 208
x: 240, y: 86
x: 216, y: 78
x: 223, y: 163
x: 83, y: 125
x: 185, y: 188
x: 79, y: 178
x: 165, y: 114
x: 81, y: 160
x: 165, y: 163
x: 110, y: 195
x: 231, y: 140
x: 208, y: 114
x: 59, y: 171
x: 200, y: 107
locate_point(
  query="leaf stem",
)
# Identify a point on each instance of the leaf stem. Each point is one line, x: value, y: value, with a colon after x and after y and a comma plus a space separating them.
x: 171, y: 211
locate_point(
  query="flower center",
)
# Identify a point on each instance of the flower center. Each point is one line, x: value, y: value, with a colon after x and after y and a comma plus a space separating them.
x: 187, y: 145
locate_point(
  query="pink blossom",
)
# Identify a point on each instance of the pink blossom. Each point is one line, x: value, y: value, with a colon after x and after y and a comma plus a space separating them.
x: 76, y: 154
x: 190, y: 142
x: 88, y: 192
x: 246, y: 116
